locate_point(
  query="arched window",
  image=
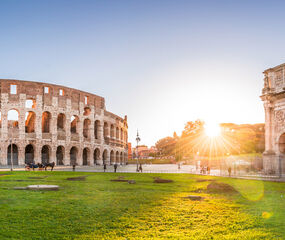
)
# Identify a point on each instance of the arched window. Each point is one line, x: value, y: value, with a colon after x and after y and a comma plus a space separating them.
x: 105, y: 156
x: 61, y: 122
x: 117, y: 133
x: 85, y: 156
x: 97, y: 129
x: 30, y: 122
x: 86, y: 128
x: 106, y: 130
x: 112, y: 131
x: 13, y: 118
x: 14, y: 154
x: 73, y: 124
x: 45, y: 154
x: 59, y: 155
x: 73, y: 156
x: 96, y: 156
x: 29, y: 154
x: 46, y: 119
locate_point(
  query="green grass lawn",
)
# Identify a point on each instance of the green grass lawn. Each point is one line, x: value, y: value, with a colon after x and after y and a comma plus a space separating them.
x: 100, y: 209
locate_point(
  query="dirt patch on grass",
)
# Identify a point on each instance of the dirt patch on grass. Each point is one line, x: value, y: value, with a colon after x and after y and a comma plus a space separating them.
x: 80, y: 178
x: 218, y: 187
x: 194, y: 198
x: 198, y: 190
x: 160, y: 180
x: 119, y: 179
x: 38, y: 177
x: 13, y: 180
x: 205, y: 180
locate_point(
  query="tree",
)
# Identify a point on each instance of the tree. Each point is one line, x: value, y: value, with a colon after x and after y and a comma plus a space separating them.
x: 191, y: 137
x: 166, y: 146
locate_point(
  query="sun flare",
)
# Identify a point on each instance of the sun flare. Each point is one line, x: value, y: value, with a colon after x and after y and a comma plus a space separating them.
x: 212, y: 129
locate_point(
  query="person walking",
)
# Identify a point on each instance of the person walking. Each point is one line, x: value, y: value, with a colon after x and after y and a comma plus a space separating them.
x: 208, y: 170
x: 230, y: 171
x: 73, y: 167
x: 105, y: 167
x: 140, y: 168
x: 115, y: 167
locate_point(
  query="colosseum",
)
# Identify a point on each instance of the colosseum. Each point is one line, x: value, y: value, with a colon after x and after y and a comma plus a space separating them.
x: 42, y: 123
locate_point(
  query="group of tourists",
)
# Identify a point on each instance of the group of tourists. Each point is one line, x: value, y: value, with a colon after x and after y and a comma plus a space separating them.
x: 205, y: 170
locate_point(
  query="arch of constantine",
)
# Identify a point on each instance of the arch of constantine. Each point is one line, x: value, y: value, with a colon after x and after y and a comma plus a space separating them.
x: 273, y: 97
x: 42, y: 122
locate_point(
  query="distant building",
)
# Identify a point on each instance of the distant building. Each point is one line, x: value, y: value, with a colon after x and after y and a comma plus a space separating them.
x: 130, y: 153
x: 143, y: 151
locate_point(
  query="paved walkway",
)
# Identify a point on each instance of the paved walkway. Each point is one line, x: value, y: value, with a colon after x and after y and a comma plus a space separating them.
x: 158, y: 168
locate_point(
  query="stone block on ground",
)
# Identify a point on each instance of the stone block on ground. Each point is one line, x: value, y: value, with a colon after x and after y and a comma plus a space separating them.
x: 43, y: 187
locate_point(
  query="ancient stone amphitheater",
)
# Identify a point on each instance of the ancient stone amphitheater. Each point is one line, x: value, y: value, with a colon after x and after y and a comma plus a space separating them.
x: 43, y: 123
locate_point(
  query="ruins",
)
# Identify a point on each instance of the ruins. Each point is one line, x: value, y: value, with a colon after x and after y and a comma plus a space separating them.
x: 44, y: 122
x: 273, y: 97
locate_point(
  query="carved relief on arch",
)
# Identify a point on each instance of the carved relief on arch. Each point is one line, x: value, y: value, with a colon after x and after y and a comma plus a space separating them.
x: 279, y: 116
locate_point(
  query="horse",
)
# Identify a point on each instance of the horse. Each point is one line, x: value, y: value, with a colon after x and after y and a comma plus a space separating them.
x: 51, y: 165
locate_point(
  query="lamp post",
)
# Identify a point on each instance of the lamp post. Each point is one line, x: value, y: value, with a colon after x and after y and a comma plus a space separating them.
x: 138, y: 139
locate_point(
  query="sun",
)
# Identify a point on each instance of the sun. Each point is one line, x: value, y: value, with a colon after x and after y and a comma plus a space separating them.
x: 212, y: 129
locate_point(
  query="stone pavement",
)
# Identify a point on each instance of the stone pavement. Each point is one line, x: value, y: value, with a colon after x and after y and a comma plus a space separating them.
x: 158, y: 168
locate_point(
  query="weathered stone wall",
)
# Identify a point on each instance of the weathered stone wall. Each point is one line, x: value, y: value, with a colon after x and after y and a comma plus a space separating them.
x: 48, y: 123
x: 273, y: 96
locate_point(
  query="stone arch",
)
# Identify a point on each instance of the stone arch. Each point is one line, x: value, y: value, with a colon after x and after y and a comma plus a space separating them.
x: 13, y: 119
x: 106, y: 130
x: 121, y: 158
x: 85, y: 156
x: 61, y: 119
x: 105, y: 156
x: 59, y: 155
x: 30, y: 122
x: 117, y: 157
x: 122, y: 134
x: 112, y: 131
x: 14, y: 150
x: 29, y: 153
x: 96, y: 156
x: 46, y: 122
x: 97, y: 129
x: 86, y: 128
x: 74, y: 120
x: 112, y: 157
x: 45, y: 154
x: 73, y: 155
x: 117, y: 133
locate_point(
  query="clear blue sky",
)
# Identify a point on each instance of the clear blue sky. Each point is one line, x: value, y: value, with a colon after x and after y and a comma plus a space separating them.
x: 162, y: 63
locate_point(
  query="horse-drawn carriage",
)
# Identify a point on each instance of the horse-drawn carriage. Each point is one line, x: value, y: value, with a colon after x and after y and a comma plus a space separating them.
x: 40, y: 166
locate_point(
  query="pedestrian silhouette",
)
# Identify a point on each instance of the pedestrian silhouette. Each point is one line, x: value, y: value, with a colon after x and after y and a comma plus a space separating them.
x: 230, y: 171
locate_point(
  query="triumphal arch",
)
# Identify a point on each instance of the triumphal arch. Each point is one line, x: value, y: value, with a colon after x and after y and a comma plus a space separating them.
x: 273, y: 97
